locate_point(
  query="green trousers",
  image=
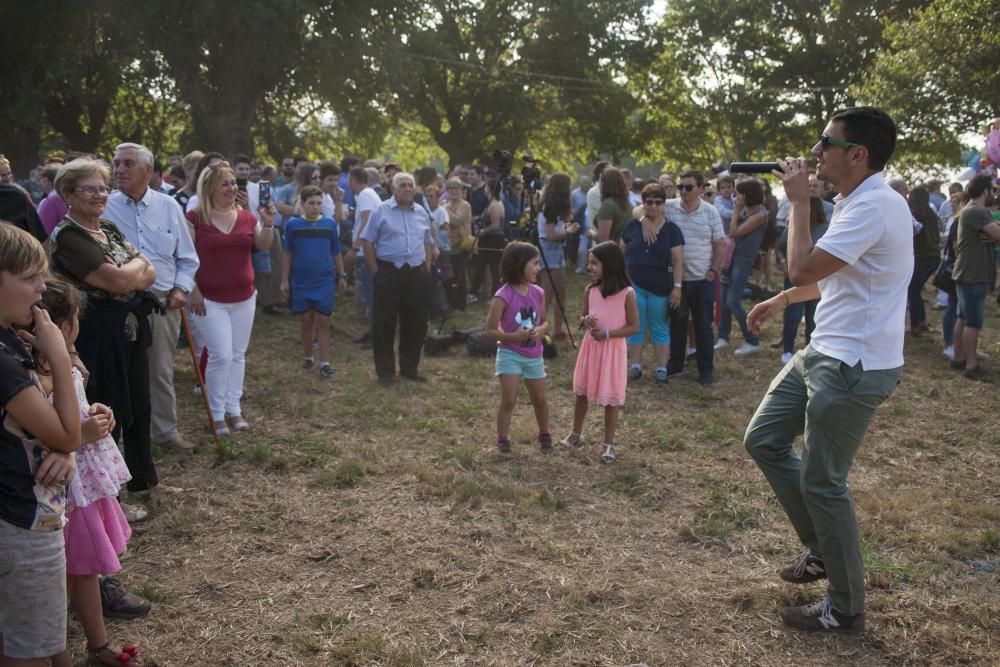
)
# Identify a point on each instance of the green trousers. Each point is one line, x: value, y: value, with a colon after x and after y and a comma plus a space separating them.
x: 832, y: 404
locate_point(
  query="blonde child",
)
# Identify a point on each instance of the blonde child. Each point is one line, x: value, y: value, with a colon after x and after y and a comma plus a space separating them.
x: 37, y: 439
x: 517, y: 322
x: 96, y: 530
x: 610, y: 315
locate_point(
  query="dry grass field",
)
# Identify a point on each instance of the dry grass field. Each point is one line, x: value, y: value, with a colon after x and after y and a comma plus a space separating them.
x: 367, y: 525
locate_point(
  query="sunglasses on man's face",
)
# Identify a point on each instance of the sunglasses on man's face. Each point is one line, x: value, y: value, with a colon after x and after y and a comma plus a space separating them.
x: 825, y: 141
x: 653, y: 202
x: 686, y: 187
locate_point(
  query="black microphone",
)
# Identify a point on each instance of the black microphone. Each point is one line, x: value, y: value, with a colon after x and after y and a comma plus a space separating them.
x: 754, y: 167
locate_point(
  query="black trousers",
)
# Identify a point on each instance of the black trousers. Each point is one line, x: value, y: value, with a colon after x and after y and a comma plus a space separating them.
x: 400, y: 296
x: 491, y: 247
x: 135, y: 435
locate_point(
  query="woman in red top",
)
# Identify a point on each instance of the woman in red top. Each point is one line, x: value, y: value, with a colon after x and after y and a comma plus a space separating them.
x: 224, y: 299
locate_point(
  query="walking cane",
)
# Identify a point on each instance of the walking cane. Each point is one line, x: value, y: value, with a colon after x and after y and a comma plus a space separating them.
x: 197, y: 373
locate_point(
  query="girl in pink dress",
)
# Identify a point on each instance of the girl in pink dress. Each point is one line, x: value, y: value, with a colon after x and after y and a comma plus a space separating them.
x: 96, y: 531
x: 610, y: 315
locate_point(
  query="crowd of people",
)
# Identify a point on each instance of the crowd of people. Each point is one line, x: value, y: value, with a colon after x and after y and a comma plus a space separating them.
x: 105, y: 263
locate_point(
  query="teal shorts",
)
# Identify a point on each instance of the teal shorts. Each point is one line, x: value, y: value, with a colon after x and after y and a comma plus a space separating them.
x: 512, y: 363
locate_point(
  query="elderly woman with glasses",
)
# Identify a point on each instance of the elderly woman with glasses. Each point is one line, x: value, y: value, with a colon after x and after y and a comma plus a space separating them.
x: 656, y: 269
x: 114, y: 337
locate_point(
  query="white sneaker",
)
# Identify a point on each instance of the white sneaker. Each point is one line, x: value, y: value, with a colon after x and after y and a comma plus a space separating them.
x: 747, y: 349
x: 721, y: 344
x: 949, y: 352
x: 471, y: 298
x: 785, y: 358
x: 981, y: 355
x: 691, y: 351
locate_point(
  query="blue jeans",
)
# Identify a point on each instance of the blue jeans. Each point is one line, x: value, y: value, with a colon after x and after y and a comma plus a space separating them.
x: 698, y: 304
x: 581, y: 257
x: 948, y: 320
x: 793, y: 315
x: 732, y: 304
x: 364, y: 278
x: 923, y: 269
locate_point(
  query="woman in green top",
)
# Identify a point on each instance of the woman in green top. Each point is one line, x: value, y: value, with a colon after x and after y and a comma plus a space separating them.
x: 926, y: 256
x: 615, y: 210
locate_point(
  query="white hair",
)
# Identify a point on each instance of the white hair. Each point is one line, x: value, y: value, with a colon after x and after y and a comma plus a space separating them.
x: 145, y: 155
x: 401, y: 176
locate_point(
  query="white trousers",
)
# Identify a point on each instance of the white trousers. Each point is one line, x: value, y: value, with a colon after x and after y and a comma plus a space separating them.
x: 225, y: 330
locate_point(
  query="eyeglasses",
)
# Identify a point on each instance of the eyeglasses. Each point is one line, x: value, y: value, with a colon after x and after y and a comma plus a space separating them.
x: 825, y: 142
x: 653, y: 202
x: 686, y: 187
x: 91, y: 190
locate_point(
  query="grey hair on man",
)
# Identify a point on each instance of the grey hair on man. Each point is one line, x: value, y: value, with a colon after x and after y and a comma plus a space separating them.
x: 144, y: 155
x: 401, y: 177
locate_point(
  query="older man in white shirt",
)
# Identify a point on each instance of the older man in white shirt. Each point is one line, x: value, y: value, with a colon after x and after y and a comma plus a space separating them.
x: 153, y: 223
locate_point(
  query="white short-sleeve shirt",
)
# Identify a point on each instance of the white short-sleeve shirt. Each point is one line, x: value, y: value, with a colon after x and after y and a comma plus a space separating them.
x: 862, y: 313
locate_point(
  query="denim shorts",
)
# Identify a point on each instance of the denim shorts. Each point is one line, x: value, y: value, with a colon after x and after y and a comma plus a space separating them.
x: 32, y: 592
x: 972, y: 303
x: 512, y: 363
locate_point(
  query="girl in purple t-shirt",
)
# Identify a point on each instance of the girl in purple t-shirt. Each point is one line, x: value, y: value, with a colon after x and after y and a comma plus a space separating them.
x: 517, y: 322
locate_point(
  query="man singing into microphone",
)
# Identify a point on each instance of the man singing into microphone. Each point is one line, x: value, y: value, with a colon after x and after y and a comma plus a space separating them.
x: 829, y: 391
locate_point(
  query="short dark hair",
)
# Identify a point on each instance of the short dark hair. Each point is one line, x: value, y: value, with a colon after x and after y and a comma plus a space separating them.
x: 752, y: 191
x: 359, y: 175
x: 976, y: 187
x: 653, y: 189
x: 50, y: 171
x: 614, y: 278
x: 871, y: 128
x: 725, y: 179
x: 309, y: 191
x: 299, y: 159
x: 241, y: 159
x: 178, y: 172
x: 348, y: 162
x: 515, y: 257
x: 329, y: 168
x: 479, y: 169
x: 599, y: 169
x: 696, y: 175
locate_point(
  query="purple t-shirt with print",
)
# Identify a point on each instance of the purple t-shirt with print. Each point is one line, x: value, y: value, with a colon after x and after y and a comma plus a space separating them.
x: 523, y: 311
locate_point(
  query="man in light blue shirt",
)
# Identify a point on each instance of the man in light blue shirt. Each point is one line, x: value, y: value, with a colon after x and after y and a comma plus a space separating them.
x: 399, y: 247
x: 155, y: 225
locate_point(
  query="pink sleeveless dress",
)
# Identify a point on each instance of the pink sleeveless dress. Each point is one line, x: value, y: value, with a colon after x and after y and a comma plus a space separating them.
x: 602, y: 366
x: 96, y: 530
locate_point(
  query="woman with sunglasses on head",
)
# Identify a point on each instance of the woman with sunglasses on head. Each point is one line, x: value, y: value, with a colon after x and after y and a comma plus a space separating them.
x: 656, y: 269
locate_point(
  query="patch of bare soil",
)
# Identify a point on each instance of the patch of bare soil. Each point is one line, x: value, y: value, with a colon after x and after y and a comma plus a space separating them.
x: 362, y: 525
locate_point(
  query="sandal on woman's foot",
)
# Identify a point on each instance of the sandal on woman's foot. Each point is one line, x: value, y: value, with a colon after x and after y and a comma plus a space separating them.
x: 609, y: 454
x: 105, y: 655
x: 221, y: 428
x: 503, y: 447
x: 237, y: 423
x: 572, y: 440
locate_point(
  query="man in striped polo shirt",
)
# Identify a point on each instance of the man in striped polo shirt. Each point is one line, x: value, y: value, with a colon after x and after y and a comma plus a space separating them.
x: 701, y: 225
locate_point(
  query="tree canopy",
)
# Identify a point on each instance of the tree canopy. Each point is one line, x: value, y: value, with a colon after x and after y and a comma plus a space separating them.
x: 709, y: 81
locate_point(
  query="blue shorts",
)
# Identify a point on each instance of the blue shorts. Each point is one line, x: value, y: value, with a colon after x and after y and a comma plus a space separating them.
x: 512, y: 363
x: 321, y: 300
x: 972, y: 303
